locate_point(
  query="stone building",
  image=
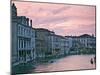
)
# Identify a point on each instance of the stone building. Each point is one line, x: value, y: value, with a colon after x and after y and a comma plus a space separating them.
x: 43, y: 45
x: 87, y: 41
x: 23, y: 38
x: 82, y: 44
x: 59, y: 45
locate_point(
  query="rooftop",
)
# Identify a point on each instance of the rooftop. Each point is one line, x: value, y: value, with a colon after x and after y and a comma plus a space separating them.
x: 43, y: 29
x: 85, y: 35
x: 81, y: 36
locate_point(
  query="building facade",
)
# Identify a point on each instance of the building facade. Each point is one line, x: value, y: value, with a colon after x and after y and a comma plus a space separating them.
x: 43, y: 44
x: 59, y: 45
x: 87, y: 44
x: 23, y: 38
x: 82, y: 44
x: 87, y: 41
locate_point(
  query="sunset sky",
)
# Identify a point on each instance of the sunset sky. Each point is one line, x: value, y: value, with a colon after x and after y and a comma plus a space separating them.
x: 63, y: 19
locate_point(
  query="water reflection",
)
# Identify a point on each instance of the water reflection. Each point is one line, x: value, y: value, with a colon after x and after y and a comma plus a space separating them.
x: 75, y: 62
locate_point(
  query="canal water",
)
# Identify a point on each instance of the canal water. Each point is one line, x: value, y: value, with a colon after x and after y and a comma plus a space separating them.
x: 74, y: 62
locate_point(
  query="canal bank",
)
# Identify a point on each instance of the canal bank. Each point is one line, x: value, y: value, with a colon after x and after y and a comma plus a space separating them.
x: 67, y: 63
x: 25, y: 68
x: 22, y: 68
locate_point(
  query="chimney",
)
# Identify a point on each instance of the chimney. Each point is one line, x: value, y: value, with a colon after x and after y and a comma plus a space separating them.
x: 31, y: 23
x: 92, y: 35
x: 27, y: 21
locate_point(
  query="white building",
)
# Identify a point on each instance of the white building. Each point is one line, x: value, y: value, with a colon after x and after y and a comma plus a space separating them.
x: 72, y: 42
x: 87, y: 41
x: 69, y: 40
x: 33, y: 42
x: 59, y: 45
x: 23, y: 38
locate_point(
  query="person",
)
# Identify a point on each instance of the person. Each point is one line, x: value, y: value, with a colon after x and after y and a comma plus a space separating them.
x: 91, y: 61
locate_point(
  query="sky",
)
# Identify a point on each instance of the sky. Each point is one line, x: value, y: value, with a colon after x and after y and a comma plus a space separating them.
x: 63, y: 19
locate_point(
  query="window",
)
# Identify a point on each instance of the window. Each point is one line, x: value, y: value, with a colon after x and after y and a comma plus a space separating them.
x: 18, y: 43
x: 24, y: 43
x: 19, y: 29
x: 21, y: 43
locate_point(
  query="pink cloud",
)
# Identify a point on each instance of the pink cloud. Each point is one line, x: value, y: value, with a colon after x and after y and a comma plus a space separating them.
x: 62, y: 18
